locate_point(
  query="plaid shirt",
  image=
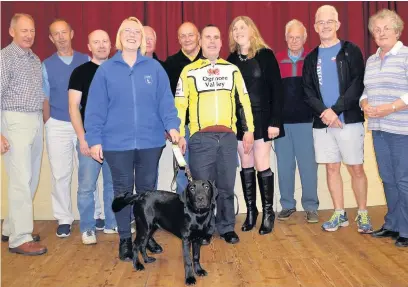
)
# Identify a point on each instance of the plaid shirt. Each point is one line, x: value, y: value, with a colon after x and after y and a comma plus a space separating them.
x: 21, y: 80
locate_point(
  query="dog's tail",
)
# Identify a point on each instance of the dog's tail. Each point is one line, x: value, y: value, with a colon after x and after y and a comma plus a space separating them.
x: 123, y: 200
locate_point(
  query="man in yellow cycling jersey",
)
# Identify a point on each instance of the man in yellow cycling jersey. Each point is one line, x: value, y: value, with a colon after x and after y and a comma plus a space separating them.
x: 214, y: 91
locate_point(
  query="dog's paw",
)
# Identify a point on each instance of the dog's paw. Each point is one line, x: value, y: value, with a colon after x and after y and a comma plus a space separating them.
x: 154, y: 247
x: 201, y: 272
x: 149, y: 259
x: 155, y: 250
x: 191, y: 280
x: 138, y: 266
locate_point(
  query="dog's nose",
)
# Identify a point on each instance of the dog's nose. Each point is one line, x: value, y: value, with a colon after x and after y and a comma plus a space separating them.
x: 200, y: 198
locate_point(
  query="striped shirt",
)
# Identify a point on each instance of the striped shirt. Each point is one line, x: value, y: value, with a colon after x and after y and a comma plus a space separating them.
x: 385, y: 82
x: 21, y: 80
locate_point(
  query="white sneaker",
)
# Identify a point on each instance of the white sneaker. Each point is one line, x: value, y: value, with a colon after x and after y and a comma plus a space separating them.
x: 111, y: 230
x: 89, y: 237
x: 115, y: 230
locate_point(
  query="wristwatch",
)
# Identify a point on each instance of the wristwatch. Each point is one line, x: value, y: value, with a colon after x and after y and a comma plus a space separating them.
x: 394, y: 109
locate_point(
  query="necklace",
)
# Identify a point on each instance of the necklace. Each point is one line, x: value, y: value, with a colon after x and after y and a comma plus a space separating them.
x: 242, y: 59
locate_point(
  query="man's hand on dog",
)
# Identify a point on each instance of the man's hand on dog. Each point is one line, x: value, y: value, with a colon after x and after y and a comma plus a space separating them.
x: 248, y: 142
x: 96, y: 153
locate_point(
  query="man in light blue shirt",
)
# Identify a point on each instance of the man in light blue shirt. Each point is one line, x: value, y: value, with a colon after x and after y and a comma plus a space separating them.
x: 61, y: 138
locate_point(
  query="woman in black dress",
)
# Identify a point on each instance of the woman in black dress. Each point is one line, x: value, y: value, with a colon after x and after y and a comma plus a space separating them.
x: 261, y: 73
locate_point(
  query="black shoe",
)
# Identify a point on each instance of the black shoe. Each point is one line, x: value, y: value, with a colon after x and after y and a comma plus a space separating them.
x: 63, y: 230
x: 230, y: 237
x: 266, y: 187
x: 100, y: 224
x: 206, y: 240
x: 286, y: 213
x: 36, y: 238
x: 382, y: 233
x: 401, y: 242
x: 153, y: 246
x: 248, y: 182
x: 125, y: 249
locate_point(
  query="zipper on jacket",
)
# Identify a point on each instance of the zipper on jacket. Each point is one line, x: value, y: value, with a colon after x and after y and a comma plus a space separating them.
x: 134, y: 102
x: 341, y: 71
x: 215, y: 96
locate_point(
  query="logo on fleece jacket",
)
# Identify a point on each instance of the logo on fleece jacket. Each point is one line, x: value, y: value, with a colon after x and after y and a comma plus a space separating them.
x: 148, y: 79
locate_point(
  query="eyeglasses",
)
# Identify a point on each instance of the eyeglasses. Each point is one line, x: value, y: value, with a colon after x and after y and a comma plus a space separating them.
x: 128, y: 31
x: 294, y: 39
x: 328, y: 22
x: 386, y: 30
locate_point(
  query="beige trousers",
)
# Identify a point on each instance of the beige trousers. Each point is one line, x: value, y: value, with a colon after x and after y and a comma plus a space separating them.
x: 24, y: 132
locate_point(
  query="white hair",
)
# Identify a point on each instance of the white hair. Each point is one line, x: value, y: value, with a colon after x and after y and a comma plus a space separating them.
x: 154, y: 32
x: 17, y: 16
x: 296, y: 23
x: 396, y: 20
x: 327, y: 8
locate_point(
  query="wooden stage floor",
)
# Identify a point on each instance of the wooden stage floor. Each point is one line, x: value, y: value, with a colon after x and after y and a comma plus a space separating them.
x: 295, y: 254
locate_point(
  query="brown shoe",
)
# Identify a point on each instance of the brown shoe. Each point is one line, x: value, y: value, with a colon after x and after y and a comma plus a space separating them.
x: 29, y: 248
x: 36, y: 237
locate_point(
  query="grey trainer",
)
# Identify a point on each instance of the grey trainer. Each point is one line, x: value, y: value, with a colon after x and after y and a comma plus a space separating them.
x: 312, y: 216
x: 286, y: 213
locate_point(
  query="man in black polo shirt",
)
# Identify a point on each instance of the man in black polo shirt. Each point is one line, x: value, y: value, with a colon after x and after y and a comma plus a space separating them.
x: 190, y: 51
x: 89, y: 169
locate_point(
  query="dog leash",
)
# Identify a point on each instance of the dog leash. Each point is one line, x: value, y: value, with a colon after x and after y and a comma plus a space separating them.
x: 179, y: 161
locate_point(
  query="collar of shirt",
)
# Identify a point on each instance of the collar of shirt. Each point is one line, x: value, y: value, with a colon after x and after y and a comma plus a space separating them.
x: 295, y: 58
x: 191, y: 58
x: 20, y: 52
x: 118, y: 57
x: 393, y: 51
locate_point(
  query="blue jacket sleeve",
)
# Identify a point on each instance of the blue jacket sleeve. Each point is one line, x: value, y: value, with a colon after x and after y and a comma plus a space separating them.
x: 96, y: 109
x: 167, y: 108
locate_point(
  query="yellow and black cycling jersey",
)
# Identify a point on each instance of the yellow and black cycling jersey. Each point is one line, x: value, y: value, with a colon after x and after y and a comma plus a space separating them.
x: 212, y: 93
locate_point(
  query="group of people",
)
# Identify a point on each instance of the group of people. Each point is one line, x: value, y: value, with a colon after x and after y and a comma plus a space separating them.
x: 118, y: 112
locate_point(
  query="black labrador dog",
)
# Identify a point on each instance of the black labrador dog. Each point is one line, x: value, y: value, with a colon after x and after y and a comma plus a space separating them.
x: 187, y: 216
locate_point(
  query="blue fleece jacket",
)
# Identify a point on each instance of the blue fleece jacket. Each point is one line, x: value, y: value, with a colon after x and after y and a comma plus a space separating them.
x: 129, y: 107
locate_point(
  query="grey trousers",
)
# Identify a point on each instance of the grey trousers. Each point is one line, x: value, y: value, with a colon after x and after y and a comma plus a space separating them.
x: 213, y: 156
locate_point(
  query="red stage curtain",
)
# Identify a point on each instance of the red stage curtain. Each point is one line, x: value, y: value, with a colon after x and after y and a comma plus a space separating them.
x: 165, y: 17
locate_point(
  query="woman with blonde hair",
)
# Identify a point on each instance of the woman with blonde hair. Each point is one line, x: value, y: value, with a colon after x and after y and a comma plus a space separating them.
x: 385, y: 103
x: 260, y: 70
x: 130, y: 105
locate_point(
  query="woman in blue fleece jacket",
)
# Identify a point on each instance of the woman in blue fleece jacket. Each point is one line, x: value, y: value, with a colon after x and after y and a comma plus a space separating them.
x: 130, y: 105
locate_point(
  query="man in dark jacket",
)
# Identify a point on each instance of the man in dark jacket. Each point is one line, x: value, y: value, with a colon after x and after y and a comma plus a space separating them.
x: 333, y: 83
x: 190, y: 51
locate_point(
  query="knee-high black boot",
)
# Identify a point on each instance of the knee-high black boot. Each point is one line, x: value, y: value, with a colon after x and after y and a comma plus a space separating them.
x: 266, y: 187
x: 249, y: 189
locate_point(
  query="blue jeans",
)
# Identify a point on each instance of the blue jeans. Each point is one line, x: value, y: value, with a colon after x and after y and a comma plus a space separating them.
x: 132, y: 168
x: 391, y: 152
x: 297, y: 146
x: 181, y: 179
x: 88, y: 173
